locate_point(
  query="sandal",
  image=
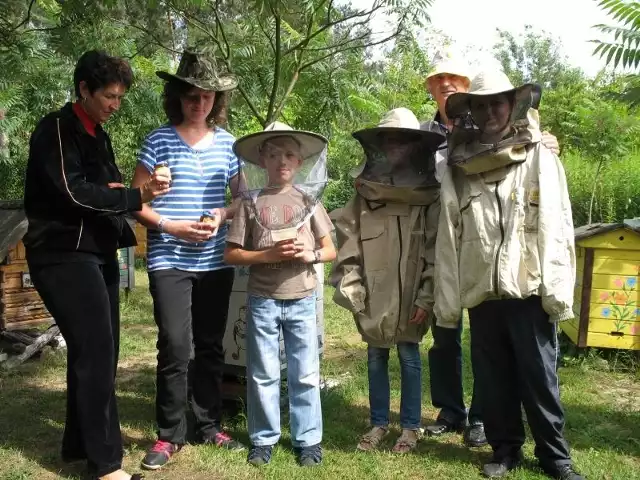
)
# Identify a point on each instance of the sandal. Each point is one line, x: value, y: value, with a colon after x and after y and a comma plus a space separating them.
x: 407, y: 441
x: 370, y: 440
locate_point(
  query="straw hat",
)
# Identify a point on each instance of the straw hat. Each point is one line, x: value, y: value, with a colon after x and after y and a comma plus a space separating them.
x: 492, y: 82
x: 248, y: 147
x: 200, y: 70
x: 398, y: 120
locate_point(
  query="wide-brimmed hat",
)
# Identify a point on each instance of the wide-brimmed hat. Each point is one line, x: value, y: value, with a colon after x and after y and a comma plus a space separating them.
x: 493, y: 82
x: 248, y: 147
x: 445, y: 63
x: 398, y: 120
x: 201, y: 70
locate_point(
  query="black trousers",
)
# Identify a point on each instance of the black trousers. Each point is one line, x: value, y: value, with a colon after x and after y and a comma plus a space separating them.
x: 445, y: 372
x: 83, y: 298
x: 186, y: 303
x: 513, y: 348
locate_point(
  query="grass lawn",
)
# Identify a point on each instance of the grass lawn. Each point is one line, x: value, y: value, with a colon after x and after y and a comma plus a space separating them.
x: 603, y: 417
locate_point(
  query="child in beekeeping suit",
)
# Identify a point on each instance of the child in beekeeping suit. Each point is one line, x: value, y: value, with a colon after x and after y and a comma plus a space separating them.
x: 384, y: 270
x: 505, y: 251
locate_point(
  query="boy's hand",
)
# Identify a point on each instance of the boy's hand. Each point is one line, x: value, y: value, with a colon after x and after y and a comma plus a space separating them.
x: 419, y: 316
x: 303, y: 255
x: 281, y: 252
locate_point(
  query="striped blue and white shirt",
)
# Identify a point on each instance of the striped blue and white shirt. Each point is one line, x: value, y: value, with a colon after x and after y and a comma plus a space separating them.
x: 199, y: 182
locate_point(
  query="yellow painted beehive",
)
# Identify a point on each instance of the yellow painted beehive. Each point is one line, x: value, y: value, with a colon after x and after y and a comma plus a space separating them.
x: 606, y: 300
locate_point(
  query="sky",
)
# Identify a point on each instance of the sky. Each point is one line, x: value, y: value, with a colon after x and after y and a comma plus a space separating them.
x: 473, y: 23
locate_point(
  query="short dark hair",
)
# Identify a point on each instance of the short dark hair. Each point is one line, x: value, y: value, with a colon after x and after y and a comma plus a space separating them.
x: 99, y: 69
x: 175, y: 89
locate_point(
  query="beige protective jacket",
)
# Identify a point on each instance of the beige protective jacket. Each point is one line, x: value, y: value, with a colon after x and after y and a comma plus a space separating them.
x: 507, y: 233
x: 384, y: 267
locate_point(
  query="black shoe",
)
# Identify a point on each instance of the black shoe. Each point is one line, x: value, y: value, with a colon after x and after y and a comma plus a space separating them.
x: 442, y: 426
x: 500, y: 467
x: 563, y: 472
x: 259, y: 456
x: 222, y: 440
x: 158, y: 455
x: 309, y: 456
x: 474, y: 436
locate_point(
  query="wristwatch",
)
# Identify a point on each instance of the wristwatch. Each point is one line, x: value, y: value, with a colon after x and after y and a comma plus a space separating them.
x: 317, y: 255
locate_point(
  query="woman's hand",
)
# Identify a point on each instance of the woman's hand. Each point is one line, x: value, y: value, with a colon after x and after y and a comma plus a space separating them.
x: 189, y: 230
x: 219, y: 217
x: 156, y: 185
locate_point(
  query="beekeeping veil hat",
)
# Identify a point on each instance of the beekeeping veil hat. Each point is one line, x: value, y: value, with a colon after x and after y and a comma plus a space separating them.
x: 283, y: 176
x: 493, y: 124
x: 398, y: 155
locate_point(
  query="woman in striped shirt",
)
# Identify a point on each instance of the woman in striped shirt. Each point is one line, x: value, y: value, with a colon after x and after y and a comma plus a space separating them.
x: 188, y: 280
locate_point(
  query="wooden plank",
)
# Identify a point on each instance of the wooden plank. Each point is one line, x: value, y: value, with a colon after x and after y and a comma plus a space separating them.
x: 29, y: 322
x: 583, y: 317
x: 624, y: 342
x: 13, y: 313
x: 18, y: 337
x: 17, y: 267
x: 614, y: 266
x: 611, y: 312
x: 570, y: 329
x: 36, y: 346
x: 621, y: 238
x: 612, y: 282
x: 609, y: 325
x: 621, y: 254
x: 17, y: 254
x: 26, y: 295
x: 11, y: 280
x: 604, y: 297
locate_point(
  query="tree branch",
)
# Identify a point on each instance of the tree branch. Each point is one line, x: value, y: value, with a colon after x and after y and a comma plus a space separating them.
x: 147, y: 32
x: 277, y: 64
x: 27, y: 18
x: 353, y: 47
x: 305, y: 41
x: 292, y: 83
x: 251, y: 106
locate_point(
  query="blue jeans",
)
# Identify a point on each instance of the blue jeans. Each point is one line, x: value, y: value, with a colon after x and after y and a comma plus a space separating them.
x: 445, y: 371
x: 410, y: 385
x: 298, y: 321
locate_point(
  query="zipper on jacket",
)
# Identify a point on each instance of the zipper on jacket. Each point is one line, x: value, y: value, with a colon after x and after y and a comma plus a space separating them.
x: 400, y: 260
x: 80, y: 234
x: 496, y: 274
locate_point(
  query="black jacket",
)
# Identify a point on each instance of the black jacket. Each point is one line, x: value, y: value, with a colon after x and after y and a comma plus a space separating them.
x: 67, y: 201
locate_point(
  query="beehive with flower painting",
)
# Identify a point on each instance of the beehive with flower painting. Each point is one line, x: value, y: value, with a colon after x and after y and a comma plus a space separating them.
x: 606, y: 293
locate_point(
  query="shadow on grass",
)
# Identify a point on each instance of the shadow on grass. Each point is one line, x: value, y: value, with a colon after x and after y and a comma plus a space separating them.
x: 600, y: 427
x: 32, y: 420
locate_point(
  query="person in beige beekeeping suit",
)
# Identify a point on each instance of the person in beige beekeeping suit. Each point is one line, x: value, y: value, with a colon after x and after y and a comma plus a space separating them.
x: 384, y: 270
x: 452, y: 75
x: 505, y: 251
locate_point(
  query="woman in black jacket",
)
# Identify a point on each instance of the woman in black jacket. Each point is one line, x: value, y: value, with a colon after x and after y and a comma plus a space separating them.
x: 75, y: 203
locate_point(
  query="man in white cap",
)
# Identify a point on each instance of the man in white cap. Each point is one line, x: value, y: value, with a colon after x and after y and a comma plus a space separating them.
x: 449, y: 76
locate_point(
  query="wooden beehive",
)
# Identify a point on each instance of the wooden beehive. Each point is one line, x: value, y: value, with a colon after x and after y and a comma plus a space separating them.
x: 20, y: 304
x: 606, y: 300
